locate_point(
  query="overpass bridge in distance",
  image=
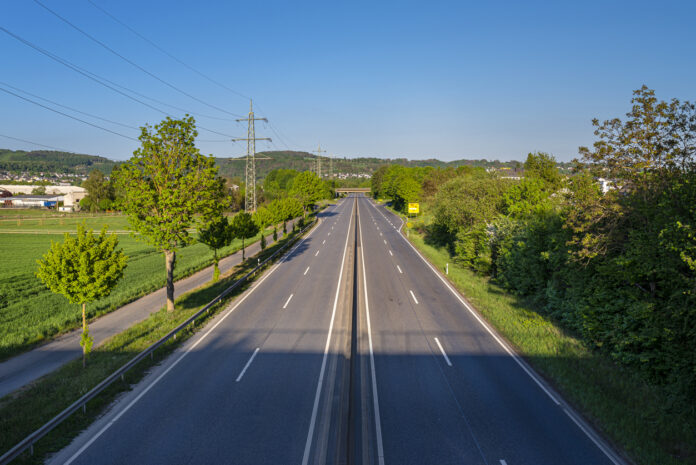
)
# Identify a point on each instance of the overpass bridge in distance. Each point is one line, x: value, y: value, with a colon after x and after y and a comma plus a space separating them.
x: 352, y: 190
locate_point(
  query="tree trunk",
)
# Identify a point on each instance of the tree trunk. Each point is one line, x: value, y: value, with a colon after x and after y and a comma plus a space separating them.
x: 84, y: 328
x: 170, y: 261
x: 216, y: 269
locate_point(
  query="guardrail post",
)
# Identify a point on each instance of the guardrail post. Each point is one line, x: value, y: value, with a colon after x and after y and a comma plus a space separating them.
x: 84, y: 408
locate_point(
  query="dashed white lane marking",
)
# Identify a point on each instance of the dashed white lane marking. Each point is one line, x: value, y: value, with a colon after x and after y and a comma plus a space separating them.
x: 390, y: 253
x: 305, y: 271
x: 289, y: 298
x: 317, y: 394
x: 399, y: 268
x: 385, y: 241
x: 414, y: 297
x: 375, y: 398
x: 446, y: 357
x: 329, y: 234
x: 503, y: 462
x: 247, y: 365
x: 380, y: 234
x: 184, y: 354
x: 316, y: 253
x: 323, y: 242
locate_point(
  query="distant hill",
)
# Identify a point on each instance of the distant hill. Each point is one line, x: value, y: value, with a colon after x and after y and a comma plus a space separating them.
x: 49, y: 161
x: 234, y: 167
x: 44, y: 161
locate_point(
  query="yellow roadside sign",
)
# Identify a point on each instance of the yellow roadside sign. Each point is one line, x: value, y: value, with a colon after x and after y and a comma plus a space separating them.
x: 413, y: 208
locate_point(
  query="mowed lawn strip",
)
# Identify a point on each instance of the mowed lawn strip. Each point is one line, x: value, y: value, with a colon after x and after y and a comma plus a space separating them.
x: 629, y: 412
x: 28, y: 409
x: 31, y: 314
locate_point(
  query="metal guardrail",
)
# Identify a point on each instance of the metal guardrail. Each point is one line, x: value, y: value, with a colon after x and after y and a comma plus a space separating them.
x: 29, y: 441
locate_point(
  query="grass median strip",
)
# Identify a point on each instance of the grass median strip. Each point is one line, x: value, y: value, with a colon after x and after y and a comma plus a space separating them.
x: 23, y: 412
x: 635, y: 416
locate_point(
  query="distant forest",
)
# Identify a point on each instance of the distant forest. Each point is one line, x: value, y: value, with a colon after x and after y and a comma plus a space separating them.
x: 47, y: 161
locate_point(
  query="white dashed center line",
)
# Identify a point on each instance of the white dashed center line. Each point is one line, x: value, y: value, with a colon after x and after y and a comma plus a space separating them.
x: 305, y: 271
x: 414, y: 297
x: 247, y: 365
x: 399, y: 268
x: 289, y: 298
x: 448, y: 361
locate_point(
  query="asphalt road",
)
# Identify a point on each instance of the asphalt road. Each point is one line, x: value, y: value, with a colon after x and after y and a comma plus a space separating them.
x: 22, y: 369
x: 350, y: 350
x: 258, y: 384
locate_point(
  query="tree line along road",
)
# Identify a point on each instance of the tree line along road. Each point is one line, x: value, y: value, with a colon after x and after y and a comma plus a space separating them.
x: 350, y: 350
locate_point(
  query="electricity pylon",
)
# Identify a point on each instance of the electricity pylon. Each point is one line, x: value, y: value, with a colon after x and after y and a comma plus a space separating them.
x: 318, y: 162
x: 250, y: 172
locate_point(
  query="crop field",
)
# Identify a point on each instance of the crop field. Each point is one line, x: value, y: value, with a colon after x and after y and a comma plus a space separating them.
x: 30, y: 313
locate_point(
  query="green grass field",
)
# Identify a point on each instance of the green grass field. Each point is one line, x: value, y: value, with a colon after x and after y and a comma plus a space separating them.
x: 30, y: 313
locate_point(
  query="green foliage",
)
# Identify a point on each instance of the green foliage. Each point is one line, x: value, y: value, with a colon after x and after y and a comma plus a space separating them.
x: 243, y: 227
x: 41, y: 190
x: 263, y: 217
x: 309, y: 189
x: 542, y: 166
x: 263, y: 241
x: 528, y: 197
x: 275, y: 234
x: 100, y: 192
x: 284, y: 209
x: 217, y: 235
x: 169, y: 186
x: 83, y: 268
x: 402, y: 185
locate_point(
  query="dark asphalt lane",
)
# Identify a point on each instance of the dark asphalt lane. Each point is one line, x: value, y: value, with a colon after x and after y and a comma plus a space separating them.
x: 484, y: 408
x: 193, y: 409
x: 29, y: 366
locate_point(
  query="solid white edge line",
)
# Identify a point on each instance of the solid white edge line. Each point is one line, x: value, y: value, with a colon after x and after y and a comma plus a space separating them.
x: 305, y: 271
x: 399, y: 268
x: 443, y: 352
x: 413, y: 295
x: 317, y: 395
x: 288, y: 301
x: 184, y: 354
x: 375, y: 397
x: 247, y: 365
x: 591, y: 435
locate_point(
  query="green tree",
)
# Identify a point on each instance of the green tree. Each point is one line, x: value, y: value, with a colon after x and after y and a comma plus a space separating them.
x: 83, y: 269
x: 275, y: 233
x: 169, y: 187
x: 216, y: 235
x: 542, y: 165
x: 40, y: 190
x: 309, y: 189
x: 243, y: 227
x: 100, y: 192
x: 263, y: 241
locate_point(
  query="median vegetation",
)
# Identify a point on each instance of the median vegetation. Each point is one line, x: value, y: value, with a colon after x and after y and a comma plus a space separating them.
x: 590, y: 274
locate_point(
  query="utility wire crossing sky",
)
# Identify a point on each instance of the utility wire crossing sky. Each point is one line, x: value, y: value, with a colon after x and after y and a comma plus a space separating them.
x: 446, y: 80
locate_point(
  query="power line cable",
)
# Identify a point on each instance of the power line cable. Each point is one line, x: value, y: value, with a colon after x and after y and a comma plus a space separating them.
x: 132, y: 63
x: 181, y: 62
x: 186, y: 65
x: 96, y: 78
x: 67, y: 115
x: 69, y: 108
x: 34, y: 143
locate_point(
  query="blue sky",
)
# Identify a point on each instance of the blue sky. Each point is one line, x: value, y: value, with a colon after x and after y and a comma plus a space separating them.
x: 419, y: 79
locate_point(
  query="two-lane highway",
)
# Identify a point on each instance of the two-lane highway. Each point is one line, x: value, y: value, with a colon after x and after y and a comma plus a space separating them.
x: 248, y: 388
x: 447, y: 390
